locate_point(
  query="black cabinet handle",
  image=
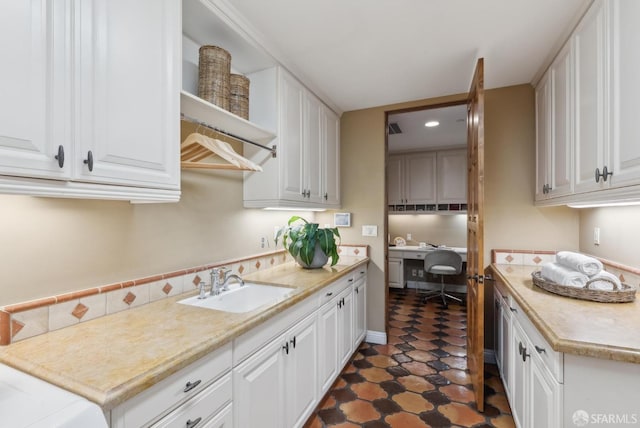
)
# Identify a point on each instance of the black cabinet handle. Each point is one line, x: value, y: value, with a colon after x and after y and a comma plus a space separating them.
x: 540, y: 350
x: 60, y: 156
x: 190, y: 385
x: 193, y: 423
x: 293, y: 342
x: 522, y: 350
x: 329, y: 294
x: 604, y: 175
x: 286, y: 347
x: 514, y: 310
x: 89, y: 160
x: 326, y: 196
x: 339, y: 303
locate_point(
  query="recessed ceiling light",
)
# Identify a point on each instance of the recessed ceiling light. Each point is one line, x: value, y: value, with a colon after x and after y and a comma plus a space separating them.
x: 432, y: 123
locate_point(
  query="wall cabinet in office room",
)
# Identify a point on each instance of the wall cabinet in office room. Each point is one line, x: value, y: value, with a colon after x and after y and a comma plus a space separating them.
x: 411, y: 179
x: 452, y: 176
x: 85, y: 112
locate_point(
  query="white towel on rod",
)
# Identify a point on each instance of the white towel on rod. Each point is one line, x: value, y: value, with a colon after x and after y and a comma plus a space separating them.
x: 563, y: 275
x: 580, y: 262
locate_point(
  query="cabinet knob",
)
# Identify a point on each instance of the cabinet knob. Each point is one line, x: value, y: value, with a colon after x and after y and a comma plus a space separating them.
x: 604, y: 175
x: 60, y: 156
x: 89, y: 160
x: 286, y: 347
x: 522, y: 350
x: 193, y: 423
x: 540, y: 350
x: 514, y: 310
x: 293, y: 342
x: 326, y: 196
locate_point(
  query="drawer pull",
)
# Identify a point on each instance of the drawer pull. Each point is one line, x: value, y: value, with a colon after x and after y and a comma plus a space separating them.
x: 540, y: 350
x: 514, y: 310
x: 193, y: 423
x: 350, y: 279
x: 190, y: 385
x: 329, y: 294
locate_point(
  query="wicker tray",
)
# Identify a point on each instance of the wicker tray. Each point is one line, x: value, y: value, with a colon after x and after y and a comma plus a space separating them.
x: 626, y: 294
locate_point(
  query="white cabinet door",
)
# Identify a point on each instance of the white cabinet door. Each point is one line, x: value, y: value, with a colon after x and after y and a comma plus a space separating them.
x: 34, y: 87
x: 327, y: 345
x: 420, y: 178
x: 331, y: 156
x: 345, y: 326
x: 396, y: 273
x: 312, y: 149
x: 127, y: 103
x: 259, y: 388
x: 545, y: 396
x: 290, y: 140
x: 561, y: 147
x: 452, y: 177
x: 591, y: 57
x: 395, y: 180
x: 224, y: 419
x: 301, y: 372
x: 507, y: 355
x: 360, y: 311
x: 543, y: 136
x: 624, y: 153
x: 520, y: 380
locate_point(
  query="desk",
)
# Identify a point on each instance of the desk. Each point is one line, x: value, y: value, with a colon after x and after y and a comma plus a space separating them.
x: 398, y: 257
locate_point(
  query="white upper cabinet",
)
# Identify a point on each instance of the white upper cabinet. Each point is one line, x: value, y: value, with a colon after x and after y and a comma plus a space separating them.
x: 624, y: 69
x: 34, y: 87
x: 420, y: 178
x: 90, y: 99
x: 452, y: 176
x: 128, y: 88
x: 591, y: 104
x: 395, y: 180
x: 554, y: 133
x: 590, y: 47
x: 305, y: 172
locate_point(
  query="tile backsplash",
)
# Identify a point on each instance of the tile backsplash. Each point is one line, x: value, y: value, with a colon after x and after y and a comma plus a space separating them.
x: 27, y: 319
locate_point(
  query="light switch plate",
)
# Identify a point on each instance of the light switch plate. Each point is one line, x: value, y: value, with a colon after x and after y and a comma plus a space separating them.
x: 369, y: 230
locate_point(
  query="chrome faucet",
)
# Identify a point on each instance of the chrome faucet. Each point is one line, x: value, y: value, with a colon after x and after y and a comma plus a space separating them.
x: 220, y: 278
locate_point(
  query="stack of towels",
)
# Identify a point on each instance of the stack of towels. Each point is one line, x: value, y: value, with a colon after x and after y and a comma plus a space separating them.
x: 575, y: 270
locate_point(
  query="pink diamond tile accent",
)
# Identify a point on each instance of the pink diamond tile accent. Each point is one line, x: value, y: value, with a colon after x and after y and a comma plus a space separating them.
x: 129, y: 298
x: 258, y: 264
x: 241, y: 269
x: 509, y: 269
x: 509, y: 258
x: 272, y: 261
x: 339, y: 250
x: 79, y: 311
x: 537, y: 260
x: 16, y: 326
x: 196, y: 280
x: 167, y: 288
x: 356, y: 251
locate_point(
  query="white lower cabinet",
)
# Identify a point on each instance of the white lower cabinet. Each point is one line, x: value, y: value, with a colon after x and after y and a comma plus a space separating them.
x: 345, y: 326
x: 277, y: 386
x: 327, y: 345
x: 396, y: 271
x: 359, y: 308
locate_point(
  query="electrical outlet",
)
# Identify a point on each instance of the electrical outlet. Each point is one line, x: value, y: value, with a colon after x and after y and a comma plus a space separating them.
x: 409, y: 237
x: 262, y: 242
x: 414, y: 272
x: 420, y: 273
x: 596, y: 236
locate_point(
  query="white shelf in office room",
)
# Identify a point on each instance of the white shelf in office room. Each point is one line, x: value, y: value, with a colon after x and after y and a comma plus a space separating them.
x: 203, y: 111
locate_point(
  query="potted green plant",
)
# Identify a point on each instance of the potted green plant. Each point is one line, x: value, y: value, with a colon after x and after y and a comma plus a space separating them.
x: 308, y: 243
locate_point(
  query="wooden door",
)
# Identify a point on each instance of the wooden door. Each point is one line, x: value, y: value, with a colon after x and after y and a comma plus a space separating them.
x: 475, y: 235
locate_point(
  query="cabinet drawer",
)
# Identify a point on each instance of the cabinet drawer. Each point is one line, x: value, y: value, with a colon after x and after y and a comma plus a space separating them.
x: 329, y: 292
x: 551, y: 359
x: 200, y: 408
x: 170, y: 392
x: 414, y: 255
x: 359, y: 273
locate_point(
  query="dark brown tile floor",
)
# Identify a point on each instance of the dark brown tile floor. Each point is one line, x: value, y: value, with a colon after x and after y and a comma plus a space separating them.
x: 419, y: 379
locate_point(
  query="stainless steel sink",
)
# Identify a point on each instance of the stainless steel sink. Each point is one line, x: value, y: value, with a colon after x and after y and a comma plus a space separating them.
x: 241, y: 298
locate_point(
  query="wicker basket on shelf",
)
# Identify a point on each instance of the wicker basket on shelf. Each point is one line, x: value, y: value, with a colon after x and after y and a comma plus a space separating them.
x: 214, y: 74
x: 618, y: 295
x: 239, y: 96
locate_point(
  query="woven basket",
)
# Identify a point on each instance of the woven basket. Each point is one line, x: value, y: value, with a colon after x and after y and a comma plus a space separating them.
x: 214, y: 72
x: 239, y: 96
x: 617, y: 295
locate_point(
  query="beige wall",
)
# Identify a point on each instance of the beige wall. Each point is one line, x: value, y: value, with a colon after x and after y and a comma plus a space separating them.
x: 50, y: 246
x: 619, y: 233
x: 449, y: 230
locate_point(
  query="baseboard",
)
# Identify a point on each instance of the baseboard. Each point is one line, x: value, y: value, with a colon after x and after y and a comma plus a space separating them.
x: 489, y: 356
x: 377, y: 337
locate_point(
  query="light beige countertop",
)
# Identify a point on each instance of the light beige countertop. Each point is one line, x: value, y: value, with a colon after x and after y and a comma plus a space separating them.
x: 592, y: 329
x: 111, y: 359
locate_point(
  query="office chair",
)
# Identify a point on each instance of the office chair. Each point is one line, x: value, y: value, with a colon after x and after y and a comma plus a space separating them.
x: 442, y: 262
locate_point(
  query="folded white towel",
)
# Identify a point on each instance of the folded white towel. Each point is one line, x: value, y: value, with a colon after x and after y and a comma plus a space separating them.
x: 576, y: 261
x: 598, y: 281
x: 563, y: 275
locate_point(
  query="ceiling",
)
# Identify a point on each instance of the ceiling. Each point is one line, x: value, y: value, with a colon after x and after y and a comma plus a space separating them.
x: 451, y: 131
x: 357, y: 54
